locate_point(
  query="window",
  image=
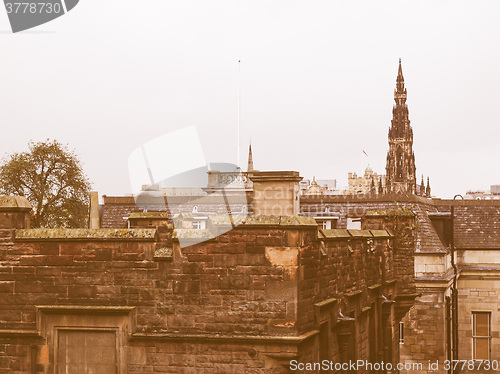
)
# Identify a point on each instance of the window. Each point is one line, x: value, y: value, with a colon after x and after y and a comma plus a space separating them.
x: 481, y: 335
x: 399, y: 163
x: 198, y: 225
x: 354, y: 223
x: 401, y: 332
x: 442, y: 225
x: 327, y: 224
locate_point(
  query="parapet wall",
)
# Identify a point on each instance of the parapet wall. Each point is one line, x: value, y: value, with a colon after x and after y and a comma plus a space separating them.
x: 258, y: 293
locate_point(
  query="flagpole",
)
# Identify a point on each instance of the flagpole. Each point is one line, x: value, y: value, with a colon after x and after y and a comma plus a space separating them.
x: 239, y: 94
x: 367, y: 157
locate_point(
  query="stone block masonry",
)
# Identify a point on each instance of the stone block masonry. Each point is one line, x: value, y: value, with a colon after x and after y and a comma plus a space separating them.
x: 272, y: 290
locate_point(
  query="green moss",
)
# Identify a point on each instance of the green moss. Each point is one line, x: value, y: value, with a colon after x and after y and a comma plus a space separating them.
x: 281, y: 221
x: 403, y: 211
x: 297, y: 221
x: 360, y: 233
x: 401, y: 220
x: 226, y: 219
x: 192, y: 234
x: 89, y: 234
x: 14, y: 202
x: 380, y: 233
x: 262, y: 220
x: 164, y: 253
x: 336, y: 233
x: 148, y: 215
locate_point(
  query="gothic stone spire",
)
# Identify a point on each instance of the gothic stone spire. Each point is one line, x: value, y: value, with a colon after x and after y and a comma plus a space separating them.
x: 400, y: 85
x: 400, y: 167
x: 250, y: 158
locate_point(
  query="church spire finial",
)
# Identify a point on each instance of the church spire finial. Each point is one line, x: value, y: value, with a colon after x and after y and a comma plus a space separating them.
x: 250, y: 158
x: 400, y: 92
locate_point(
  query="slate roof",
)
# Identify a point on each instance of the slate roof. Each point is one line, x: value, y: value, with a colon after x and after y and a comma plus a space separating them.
x: 477, y: 223
x: 427, y: 239
x: 115, y: 208
x: 477, y: 226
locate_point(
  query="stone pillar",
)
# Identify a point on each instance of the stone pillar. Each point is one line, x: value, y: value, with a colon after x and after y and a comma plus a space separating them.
x: 276, y: 192
x: 14, y: 212
x: 345, y: 333
x: 94, y: 210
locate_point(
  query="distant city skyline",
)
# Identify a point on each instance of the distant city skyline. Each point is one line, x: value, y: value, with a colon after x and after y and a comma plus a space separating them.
x: 317, y: 83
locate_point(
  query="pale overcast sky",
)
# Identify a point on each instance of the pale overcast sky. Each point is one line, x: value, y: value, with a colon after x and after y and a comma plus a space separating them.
x: 317, y: 81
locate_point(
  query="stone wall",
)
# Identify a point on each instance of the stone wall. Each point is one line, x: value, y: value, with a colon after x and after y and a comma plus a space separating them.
x: 420, y: 261
x: 272, y: 290
x: 478, y: 295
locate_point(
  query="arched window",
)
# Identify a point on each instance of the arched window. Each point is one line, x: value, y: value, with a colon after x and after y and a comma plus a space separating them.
x: 399, y: 163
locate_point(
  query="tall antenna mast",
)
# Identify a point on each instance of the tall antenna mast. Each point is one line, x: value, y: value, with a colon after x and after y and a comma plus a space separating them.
x: 239, y: 94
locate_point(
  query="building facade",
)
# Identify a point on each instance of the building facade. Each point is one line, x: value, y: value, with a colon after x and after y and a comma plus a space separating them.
x: 275, y: 294
x: 369, y: 183
x: 455, y: 315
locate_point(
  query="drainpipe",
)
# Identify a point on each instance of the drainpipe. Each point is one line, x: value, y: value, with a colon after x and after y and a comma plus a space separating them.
x: 33, y: 359
x: 448, y: 331
x: 454, y: 290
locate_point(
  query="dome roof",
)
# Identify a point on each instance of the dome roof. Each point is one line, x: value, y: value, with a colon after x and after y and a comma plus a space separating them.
x: 314, y: 188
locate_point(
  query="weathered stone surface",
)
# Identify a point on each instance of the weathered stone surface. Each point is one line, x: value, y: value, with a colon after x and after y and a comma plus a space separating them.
x: 90, y: 234
x: 245, y: 301
x: 14, y: 202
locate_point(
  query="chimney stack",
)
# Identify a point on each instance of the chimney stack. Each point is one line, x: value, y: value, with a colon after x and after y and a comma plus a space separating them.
x: 276, y: 192
x: 94, y: 210
x: 14, y: 212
